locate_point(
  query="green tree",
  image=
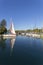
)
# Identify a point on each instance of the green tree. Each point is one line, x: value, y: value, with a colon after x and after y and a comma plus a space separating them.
x: 3, y: 28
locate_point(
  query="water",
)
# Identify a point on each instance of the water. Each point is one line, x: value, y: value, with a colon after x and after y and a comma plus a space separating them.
x: 21, y: 51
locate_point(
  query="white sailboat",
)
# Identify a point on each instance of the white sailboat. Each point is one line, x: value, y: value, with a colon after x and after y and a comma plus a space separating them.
x: 12, y: 32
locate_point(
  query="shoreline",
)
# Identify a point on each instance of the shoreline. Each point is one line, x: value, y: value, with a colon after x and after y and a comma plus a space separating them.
x: 27, y: 34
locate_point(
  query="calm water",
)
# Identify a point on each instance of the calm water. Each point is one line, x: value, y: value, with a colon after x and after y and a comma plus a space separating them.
x: 21, y: 51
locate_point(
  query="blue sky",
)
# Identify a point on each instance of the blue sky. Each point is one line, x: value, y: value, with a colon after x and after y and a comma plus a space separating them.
x: 26, y: 14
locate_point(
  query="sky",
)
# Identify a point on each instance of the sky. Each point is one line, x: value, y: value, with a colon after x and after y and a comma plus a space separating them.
x: 25, y: 14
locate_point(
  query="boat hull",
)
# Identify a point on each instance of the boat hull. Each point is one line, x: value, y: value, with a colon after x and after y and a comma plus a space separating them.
x: 8, y: 35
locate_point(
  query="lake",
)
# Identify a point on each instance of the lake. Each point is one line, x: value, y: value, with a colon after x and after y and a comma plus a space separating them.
x: 21, y: 50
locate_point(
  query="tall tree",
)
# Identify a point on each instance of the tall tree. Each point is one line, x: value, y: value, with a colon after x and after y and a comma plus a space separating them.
x: 3, y: 23
x: 3, y: 28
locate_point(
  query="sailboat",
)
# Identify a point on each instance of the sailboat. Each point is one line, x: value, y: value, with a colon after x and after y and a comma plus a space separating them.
x: 12, y: 32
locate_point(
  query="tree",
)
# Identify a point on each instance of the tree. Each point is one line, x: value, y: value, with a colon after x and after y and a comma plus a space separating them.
x: 3, y: 23
x: 3, y: 28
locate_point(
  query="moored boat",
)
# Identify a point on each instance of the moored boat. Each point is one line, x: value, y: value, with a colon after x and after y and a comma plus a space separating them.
x: 11, y: 33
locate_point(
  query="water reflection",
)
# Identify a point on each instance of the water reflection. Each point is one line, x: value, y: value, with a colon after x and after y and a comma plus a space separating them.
x: 12, y: 42
x: 6, y: 43
x: 21, y: 51
x: 2, y: 42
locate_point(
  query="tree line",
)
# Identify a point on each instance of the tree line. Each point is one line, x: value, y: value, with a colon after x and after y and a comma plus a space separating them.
x: 36, y: 30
